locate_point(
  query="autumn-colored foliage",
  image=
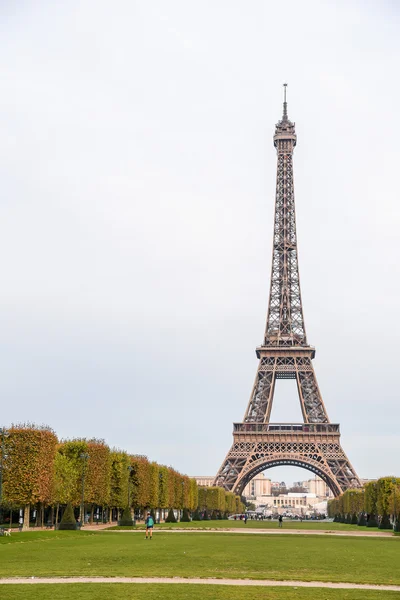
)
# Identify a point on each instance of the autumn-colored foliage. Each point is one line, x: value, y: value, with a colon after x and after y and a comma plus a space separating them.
x: 119, y: 479
x: 97, y: 485
x: 69, y: 467
x: 377, y: 498
x: 39, y: 471
x: 28, y: 475
x: 216, y: 499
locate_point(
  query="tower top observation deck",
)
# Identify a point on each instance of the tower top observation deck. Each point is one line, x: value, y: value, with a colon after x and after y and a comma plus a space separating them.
x: 284, y: 129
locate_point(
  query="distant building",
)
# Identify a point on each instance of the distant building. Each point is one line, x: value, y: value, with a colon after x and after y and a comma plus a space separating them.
x: 318, y: 487
x: 364, y: 481
x: 258, y: 486
x: 204, y: 480
x: 312, y: 496
x: 273, y: 496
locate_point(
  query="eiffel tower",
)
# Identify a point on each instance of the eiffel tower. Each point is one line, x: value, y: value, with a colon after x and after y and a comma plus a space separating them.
x: 259, y: 444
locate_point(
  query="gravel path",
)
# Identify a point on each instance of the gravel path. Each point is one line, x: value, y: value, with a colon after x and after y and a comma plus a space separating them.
x: 180, y: 580
x: 263, y: 532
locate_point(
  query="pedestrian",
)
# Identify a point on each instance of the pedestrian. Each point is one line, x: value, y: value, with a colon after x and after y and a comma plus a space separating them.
x: 149, y: 526
x: 245, y: 519
x: 280, y: 519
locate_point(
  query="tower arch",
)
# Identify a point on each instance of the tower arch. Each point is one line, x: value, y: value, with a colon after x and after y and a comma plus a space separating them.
x: 265, y: 464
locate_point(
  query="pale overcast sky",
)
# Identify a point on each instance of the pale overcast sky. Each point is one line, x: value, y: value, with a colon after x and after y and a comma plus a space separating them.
x: 137, y: 178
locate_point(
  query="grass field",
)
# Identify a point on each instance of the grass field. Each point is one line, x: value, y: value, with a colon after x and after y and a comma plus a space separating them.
x: 118, y: 591
x: 307, y: 558
x: 228, y: 524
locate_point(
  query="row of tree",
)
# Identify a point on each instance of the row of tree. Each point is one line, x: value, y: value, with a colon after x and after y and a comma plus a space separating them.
x: 377, y: 504
x: 216, y: 502
x: 40, y: 471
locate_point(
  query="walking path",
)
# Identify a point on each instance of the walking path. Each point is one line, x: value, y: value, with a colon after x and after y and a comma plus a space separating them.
x: 263, y: 531
x: 104, y: 527
x: 181, y: 580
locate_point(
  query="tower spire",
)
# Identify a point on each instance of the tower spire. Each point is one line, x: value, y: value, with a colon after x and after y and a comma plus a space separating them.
x: 284, y: 102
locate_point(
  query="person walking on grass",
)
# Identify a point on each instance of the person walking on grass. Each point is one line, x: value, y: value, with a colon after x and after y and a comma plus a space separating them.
x: 280, y: 519
x: 149, y: 526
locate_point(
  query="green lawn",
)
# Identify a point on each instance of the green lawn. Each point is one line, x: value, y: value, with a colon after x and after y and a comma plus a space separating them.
x: 302, y: 557
x: 121, y: 591
x: 228, y: 524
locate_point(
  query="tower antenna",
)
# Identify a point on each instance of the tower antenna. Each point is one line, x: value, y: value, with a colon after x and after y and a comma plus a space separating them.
x: 284, y: 102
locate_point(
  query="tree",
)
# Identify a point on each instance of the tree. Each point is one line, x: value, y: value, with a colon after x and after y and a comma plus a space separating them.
x: 239, y: 505
x: 202, y: 498
x: 163, y: 486
x: 69, y: 472
x: 140, y: 477
x: 353, y: 504
x: 371, y: 498
x: 65, y: 479
x: 230, y: 503
x: 98, y: 476
x: 215, y: 499
x: 154, y: 484
x: 384, y: 493
x: 119, y: 479
x: 394, y: 500
x: 28, y: 469
x: 193, y: 499
x: 394, y: 503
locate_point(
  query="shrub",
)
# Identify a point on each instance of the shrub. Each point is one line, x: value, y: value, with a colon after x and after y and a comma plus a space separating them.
x: 171, y: 517
x: 68, y: 521
x: 126, y: 519
x: 185, y: 516
x: 362, y: 521
x: 396, y: 525
x: 384, y: 523
x: 196, y: 515
x: 354, y: 519
x: 372, y: 522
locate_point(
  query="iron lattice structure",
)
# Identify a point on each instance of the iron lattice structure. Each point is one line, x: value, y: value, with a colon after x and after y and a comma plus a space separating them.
x: 285, y: 354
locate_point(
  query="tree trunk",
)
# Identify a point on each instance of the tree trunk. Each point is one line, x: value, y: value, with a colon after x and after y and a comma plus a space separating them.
x: 57, y: 510
x: 42, y: 515
x: 25, y: 524
x: 52, y: 515
x: 91, y: 514
x: 11, y: 518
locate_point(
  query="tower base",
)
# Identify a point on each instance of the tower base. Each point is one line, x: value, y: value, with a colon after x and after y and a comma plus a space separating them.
x: 313, y: 446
